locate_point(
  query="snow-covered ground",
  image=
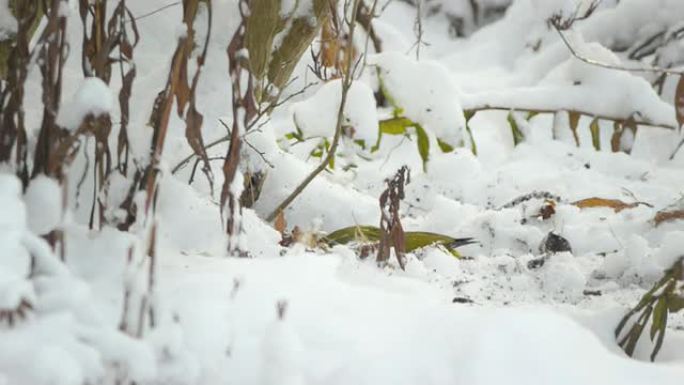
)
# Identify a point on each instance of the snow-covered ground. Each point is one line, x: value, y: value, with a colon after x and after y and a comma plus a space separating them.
x: 299, y: 315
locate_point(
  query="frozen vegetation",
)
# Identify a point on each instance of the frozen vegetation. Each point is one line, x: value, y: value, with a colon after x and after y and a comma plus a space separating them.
x: 143, y: 150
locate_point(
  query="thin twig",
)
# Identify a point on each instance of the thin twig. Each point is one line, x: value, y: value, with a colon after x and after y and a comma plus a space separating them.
x: 248, y: 130
x: 346, y: 84
x: 259, y: 152
x: 151, y: 13
x: 657, y: 70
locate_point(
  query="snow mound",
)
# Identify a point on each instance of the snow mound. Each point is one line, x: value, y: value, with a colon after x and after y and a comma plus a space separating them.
x: 93, y: 97
x: 317, y: 116
x: 425, y: 93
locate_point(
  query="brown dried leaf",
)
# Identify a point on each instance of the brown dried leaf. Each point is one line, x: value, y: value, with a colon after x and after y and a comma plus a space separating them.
x: 280, y: 224
x: 615, y: 204
x: 679, y: 101
x: 548, y: 209
x: 181, y: 87
x: 667, y: 216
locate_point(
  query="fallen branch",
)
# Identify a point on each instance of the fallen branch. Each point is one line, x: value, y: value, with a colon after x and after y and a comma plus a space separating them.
x: 633, y: 118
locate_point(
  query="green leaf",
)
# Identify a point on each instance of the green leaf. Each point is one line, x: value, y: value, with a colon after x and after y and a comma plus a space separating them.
x: 574, y: 117
x: 661, y: 337
x: 395, y: 126
x: 317, y: 153
x: 413, y: 239
x: 473, y: 146
x: 444, y: 146
x: 469, y: 115
x: 423, y: 145
x: 659, y: 314
x: 675, y: 303
x: 532, y: 114
x: 518, y: 136
x: 595, y: 134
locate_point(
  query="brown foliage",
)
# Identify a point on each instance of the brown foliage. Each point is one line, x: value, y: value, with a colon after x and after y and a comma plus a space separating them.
x: 679, y: 101
x: 391, y: 231
x: 615, y: 204
x: 13, y: 132
x: 668, y: 216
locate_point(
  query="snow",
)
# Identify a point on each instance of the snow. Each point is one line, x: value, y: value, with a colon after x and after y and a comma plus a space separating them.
x: 93, y: 97
x: 389, y: 330
x: 671, y: 249
x: 43, y: 200
x: 309, y: 314
x: 317, y: 116
x: 423, y: 90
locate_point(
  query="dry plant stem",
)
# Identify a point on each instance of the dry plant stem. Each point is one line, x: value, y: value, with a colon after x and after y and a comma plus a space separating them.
x: 419, y: 27
x: 12, y: 91
x: 346, y: 84
x: 249, y: 129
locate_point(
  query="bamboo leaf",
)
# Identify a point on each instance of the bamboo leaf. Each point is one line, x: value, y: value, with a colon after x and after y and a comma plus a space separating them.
x: 444, y: 146
x: 423, y: 145
x: 595, y: 134
x: 574, y: 117
x: 518, y: 136
x: 659, y: 341
x: 659, y: 314
x: 395, y: 126
x: 473, y: 146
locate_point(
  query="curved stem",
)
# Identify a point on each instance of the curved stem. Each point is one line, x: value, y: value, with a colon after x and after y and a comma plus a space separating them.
x: 346, y: 84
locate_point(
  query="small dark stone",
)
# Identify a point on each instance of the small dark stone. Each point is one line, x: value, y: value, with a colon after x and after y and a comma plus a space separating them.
x: 554, y: 243
x: 461, y: 300
x: 587, y: 166
x: 536, y: 263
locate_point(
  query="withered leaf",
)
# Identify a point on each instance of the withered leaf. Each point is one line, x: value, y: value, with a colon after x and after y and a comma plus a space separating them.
x: 679, y: 101
x: 667, y: 216
x: 548, y: 209
x: 280, y: 224
x: 615, y: 204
